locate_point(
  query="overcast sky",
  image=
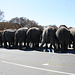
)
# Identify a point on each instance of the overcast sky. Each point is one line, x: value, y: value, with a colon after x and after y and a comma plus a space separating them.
x: 44, y: 12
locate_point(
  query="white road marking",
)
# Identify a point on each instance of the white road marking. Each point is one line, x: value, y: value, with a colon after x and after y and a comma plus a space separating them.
x: 37, y: 68
x: 46, y: 64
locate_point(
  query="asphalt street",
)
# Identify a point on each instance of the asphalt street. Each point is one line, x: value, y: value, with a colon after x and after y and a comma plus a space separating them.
x: 19, y: 62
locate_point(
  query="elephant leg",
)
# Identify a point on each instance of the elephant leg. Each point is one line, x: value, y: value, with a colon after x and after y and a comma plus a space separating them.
x: 25, y: 43
x: 50, y: 45
x: 59, y: 46
x: 54, y: 46
x: 28, y: 43
x: 53, y: 43
x: 62, y: 47
x: 46, y: 46
x: 69, y: 45
x: 16, y: 43
x: 1, y: 44
x: 13, y: 45
x: 66, y: 47
x: 20, y: 45
x: 42, y: 43
x: 5, y: 44
x: 9, y: 44
x: 37, y: 45
x: 33, y: 45
x: 74, y: 45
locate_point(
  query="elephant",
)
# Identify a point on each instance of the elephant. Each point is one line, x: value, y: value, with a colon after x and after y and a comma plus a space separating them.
x: 63, y: 38
x: 48, y: 36
x: 72, y: 38
x: 20, y: 37
x: 33, y: 37
x: 1, y: 39
x: 8, y: 36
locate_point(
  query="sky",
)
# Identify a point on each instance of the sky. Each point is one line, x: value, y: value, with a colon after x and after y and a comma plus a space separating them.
x: 44, y: 12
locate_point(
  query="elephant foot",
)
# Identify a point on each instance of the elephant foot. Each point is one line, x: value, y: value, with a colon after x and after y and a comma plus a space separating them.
x: 15, y: 47
x: 20, y: 48
x: 28, y: 47
x: 46, y: 47
x: 5, y: 46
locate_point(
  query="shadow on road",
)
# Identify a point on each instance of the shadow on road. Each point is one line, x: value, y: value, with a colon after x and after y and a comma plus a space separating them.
x: 71, y: 51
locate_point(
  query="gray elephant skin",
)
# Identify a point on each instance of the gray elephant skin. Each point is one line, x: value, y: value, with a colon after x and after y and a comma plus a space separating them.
x: 33, y: 37
x: 48, y: 37
x: 1, y: 39
x: 8, y: 36
x: 63, y: 38
x: 72, y: 38
x: 20, y: 37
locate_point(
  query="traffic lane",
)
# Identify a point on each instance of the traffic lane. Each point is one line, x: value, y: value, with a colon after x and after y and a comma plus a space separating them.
x: 32, y: 58
x: 62, y: 63
x: 56, y: 62
x: 8, y: 68
x: 59, y: 62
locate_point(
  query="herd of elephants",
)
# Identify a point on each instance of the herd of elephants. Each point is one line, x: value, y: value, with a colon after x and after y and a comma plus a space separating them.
x: 52, y: 37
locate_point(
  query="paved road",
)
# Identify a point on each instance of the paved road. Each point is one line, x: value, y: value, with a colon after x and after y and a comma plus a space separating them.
x: 18, y: 62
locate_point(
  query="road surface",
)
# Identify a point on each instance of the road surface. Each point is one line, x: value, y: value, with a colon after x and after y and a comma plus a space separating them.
x: 18, y: 62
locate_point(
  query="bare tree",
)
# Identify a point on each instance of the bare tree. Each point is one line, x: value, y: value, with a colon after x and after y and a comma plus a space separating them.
x: 22, y: 21
x: 1, y: 15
